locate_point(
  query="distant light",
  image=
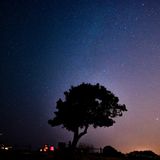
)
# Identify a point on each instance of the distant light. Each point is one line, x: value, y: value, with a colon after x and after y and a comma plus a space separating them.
x: 6, y: 148
x: 51, y: 148
x: 45, y: 148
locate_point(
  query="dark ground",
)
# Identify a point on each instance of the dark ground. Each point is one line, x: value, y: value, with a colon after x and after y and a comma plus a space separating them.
x: 36, y: 155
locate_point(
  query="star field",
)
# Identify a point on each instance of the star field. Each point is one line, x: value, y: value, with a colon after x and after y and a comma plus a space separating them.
x: 47, y: 46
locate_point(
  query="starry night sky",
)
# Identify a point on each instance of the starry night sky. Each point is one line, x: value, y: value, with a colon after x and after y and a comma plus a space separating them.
x: 47, y: 46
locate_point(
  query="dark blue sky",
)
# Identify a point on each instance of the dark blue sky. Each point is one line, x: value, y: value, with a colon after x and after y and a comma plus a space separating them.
x: 47, y: 46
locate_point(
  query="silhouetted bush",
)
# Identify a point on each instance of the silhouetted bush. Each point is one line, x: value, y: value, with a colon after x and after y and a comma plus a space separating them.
x: 147, y: 155
x: 111, y: 152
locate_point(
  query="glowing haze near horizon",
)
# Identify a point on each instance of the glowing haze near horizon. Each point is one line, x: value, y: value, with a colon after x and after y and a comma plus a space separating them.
x: 47, y: 46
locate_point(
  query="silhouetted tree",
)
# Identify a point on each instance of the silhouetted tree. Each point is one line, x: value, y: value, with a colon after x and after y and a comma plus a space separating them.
x: 86, y: 105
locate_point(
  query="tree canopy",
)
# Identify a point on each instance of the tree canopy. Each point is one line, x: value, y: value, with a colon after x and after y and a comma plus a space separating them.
x: 86, y: 105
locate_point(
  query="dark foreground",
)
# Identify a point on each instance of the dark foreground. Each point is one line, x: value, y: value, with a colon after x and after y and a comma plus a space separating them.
x: 28, y: 155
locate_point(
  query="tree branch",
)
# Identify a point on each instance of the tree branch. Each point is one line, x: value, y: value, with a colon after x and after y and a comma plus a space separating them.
x: 84, y: 132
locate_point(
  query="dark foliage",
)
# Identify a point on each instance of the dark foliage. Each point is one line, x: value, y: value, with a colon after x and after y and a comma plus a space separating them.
x: 86, y: 105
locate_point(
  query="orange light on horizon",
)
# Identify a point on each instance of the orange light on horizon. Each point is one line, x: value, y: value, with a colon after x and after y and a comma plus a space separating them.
x: 143, y: 148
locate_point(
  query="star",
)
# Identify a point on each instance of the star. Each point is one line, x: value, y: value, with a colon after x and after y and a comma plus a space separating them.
x: 142, y: 4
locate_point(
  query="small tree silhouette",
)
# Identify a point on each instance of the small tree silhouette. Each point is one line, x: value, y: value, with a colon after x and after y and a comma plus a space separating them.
x: 86, y: 105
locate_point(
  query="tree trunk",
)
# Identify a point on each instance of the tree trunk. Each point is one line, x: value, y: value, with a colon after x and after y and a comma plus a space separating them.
x: 75, y: 140
x: 77, y: 136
